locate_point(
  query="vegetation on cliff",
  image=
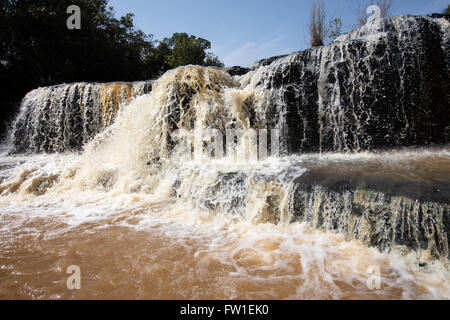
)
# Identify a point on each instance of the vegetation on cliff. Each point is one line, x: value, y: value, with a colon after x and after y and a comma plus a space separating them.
x: 38, y: 49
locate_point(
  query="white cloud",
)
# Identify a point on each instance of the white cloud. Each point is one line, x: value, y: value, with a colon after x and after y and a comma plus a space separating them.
x: 249, y: 52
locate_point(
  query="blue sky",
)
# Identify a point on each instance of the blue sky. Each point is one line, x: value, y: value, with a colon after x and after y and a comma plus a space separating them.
x: 244, y: 31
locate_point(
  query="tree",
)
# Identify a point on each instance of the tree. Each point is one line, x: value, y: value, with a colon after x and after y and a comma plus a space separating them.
x: 447, y: 11
x: 156, y: 62
x: 335, y: 29
x: 179, y: 50
x: 187, y: 50
x: 317, y: 27
x: 384, y: 5
x: 37, y: 49
x: 212, y: 60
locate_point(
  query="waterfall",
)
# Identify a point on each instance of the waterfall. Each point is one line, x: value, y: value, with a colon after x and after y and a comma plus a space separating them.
x: 380, y: 87
x: 66, y: 117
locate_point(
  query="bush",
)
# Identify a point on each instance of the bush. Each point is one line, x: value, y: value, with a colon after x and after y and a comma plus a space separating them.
x: 317, y: 27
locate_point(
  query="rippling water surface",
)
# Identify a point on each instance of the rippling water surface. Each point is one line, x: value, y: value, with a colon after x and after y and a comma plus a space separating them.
x: 138, y: 246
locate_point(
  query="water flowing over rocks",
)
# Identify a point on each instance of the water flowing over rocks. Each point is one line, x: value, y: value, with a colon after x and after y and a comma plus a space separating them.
x: 400, y: 202
x: 382, y: 212
x: 383, y: 86
x: 66, y: 117
x: 380, y: 86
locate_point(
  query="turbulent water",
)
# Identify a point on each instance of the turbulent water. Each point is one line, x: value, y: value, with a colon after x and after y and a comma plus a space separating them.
x: 188, y: 187
x: 154, y: 246
x: 141, y: 223
x: 65, y: 117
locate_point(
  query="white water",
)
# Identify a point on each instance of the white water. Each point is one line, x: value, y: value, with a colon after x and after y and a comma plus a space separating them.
x: 224, y: 256
x: 220, y: 221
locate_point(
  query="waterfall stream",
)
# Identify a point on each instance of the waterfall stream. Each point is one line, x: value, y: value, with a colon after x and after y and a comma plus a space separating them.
x: 311, y: 168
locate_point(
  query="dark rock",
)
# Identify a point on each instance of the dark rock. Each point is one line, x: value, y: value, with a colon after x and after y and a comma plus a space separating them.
x: 382, y: 86
x: 267, y: 61
x: 373, y: 210
x: 439, y: 15
x: 237, y: 71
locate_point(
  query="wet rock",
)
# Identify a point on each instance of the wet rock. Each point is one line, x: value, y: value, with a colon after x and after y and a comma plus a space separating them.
x: 266, y: 61
x: 373, y: 206
x: 237, y: 71
x: 376, y: 214
x: 381, y: 86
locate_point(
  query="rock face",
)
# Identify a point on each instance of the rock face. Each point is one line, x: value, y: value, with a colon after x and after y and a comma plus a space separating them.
x: 65, y: 117
x: 381, y: 86
x: 237, y: 71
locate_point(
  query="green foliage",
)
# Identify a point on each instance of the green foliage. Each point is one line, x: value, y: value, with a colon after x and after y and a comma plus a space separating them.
x: 37, y: 49
x: 36, y: 40
x: 179, y: 50
x: 212, y: 60
x: 447, y: 11
x: 184, y: 49
x: 335, y: 29
x: 156, y: 62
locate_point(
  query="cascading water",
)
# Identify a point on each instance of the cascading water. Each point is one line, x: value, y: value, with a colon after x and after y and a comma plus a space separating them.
x: 65, y: 117
x: 147, y: 191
